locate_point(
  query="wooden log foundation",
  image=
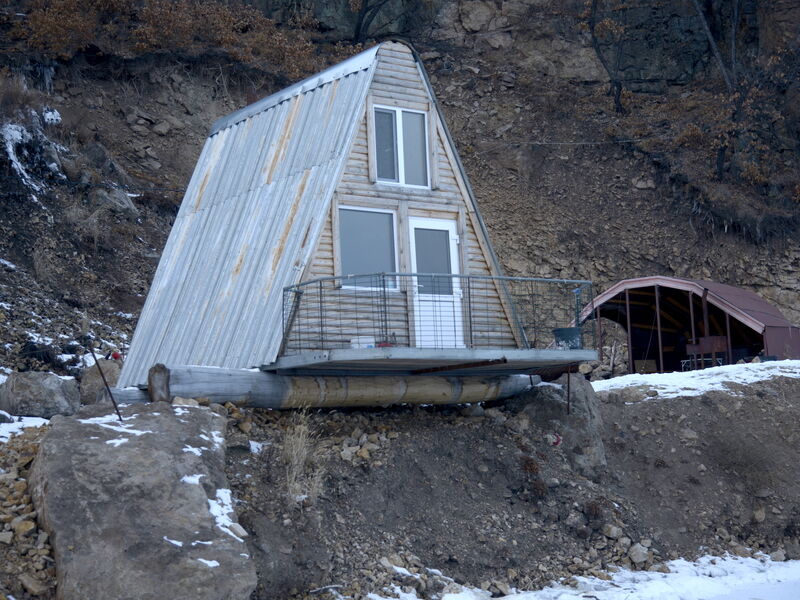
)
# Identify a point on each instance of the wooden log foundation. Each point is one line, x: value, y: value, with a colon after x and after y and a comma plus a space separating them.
x: 267, y: 390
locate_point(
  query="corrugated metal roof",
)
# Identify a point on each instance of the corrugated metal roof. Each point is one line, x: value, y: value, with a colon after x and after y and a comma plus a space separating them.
x: 248, y: 224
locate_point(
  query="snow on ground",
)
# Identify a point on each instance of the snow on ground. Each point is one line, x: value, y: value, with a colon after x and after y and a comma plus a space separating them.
x: 8, y: 264
x: 20, y: 423
x: 695, y: 383
x: 221, y: 508
x: 709, y: 578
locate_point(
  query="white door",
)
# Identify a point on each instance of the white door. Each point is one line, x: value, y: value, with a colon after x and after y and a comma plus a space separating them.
x: 438, y: 320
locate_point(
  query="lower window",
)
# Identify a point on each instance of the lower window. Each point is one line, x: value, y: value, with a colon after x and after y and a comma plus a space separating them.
x: 367, y: 246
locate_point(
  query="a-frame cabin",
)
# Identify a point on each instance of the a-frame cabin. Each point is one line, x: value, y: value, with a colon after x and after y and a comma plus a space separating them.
x: 330, y: 229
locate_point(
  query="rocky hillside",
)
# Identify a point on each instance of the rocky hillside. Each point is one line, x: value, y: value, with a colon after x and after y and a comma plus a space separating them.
x: 103, y: 112
x: 343, y: 503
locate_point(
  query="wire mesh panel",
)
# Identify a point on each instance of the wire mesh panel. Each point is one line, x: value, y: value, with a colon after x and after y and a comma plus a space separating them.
x: 434, y: 311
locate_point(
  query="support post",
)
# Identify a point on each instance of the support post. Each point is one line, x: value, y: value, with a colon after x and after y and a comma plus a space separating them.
x: 158, y: 384
x: 658, y: 328
x: 569, y: 391
x: 728, y: 337
x: 706, y: 332
x: 694, y: 332
x: 598, y: 331
x: 631, y: 368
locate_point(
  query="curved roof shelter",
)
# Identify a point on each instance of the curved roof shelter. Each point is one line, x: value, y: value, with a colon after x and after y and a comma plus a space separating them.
x: 678, y: 324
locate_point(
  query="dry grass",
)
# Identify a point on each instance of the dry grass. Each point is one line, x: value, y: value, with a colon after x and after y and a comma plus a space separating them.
x: 14, y: 94
x: 304, y: 472
x: 91, y: 227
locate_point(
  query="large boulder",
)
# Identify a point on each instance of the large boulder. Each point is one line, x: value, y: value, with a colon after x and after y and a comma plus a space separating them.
x: 92, y: 383
x: 141, y: 509
x: 581, y: 430
x: 39, y: 394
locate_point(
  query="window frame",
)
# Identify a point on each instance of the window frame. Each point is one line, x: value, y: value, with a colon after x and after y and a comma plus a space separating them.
x: 392, y: 284
x: 399, y: 145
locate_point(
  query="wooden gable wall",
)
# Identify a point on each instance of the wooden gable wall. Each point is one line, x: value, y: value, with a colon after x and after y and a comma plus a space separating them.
x: 397, y: 82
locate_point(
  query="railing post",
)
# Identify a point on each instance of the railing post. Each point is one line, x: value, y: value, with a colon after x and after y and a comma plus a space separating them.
x: 321, y: 320
x: 470, y: 320
x: 384, y: 325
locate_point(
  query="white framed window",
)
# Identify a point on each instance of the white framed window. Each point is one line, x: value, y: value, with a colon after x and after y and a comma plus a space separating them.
x: 367, y: 244
x: 401, y: 146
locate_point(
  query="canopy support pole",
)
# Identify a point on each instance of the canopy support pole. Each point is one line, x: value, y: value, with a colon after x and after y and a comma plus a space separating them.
x: 658, y: 326
x: 631, y: 368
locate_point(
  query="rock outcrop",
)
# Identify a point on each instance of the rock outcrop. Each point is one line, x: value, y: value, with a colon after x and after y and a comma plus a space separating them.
x: 39, y: 394
x: 141, y: 509
x: 580, y: 429
x: 92, y: 382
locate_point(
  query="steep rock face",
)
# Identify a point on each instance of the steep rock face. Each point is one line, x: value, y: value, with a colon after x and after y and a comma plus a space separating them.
x: 141, y: 509
x: 661, y: 44
x: 546, y: 44
x: 779, y: 25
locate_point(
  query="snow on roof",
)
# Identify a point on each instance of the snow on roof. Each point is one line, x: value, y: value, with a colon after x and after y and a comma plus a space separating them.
x: 696, y: 383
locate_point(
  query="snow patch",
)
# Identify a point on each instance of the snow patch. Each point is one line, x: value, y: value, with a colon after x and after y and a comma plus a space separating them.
x: 549, y: 384
x: 118, y: 442
x: 193, y: 450
x: 221, y: 508
x: 13, y: 135
x: 696, y: 383
x: 173, y: 542
x: 51, y: 116
x: 9, y: 429
x: 209, y: 563
x: 38, y: 338
x: 709, y: 578
x: 8, y: 265
x: 193, y: 479
x: 111, y: 422
x: 257, y: 447
x: 219, y: 439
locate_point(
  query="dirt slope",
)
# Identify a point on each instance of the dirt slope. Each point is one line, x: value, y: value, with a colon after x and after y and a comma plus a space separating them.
x: 487, y: 499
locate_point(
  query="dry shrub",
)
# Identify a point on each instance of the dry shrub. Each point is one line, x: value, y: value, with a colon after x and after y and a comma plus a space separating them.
x: 14, y: 94
x: 44, y: 269
x: 91, y: 227
x: 304, y: 472
x: 539, y: 489
x: 754, y: 174
x: 594, y: 509
x: 62, y: 28
x: 529, y: 465
x: 691, y: 136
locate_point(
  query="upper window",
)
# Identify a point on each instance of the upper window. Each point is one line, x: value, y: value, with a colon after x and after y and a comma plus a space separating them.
x: 367, y: 244
x: 401, y: 146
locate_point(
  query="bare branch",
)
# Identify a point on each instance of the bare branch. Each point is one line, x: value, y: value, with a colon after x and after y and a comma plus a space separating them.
x: 713, y: 44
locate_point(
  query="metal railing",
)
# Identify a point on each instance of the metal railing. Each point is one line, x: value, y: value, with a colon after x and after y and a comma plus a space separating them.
x: 435, y: 311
